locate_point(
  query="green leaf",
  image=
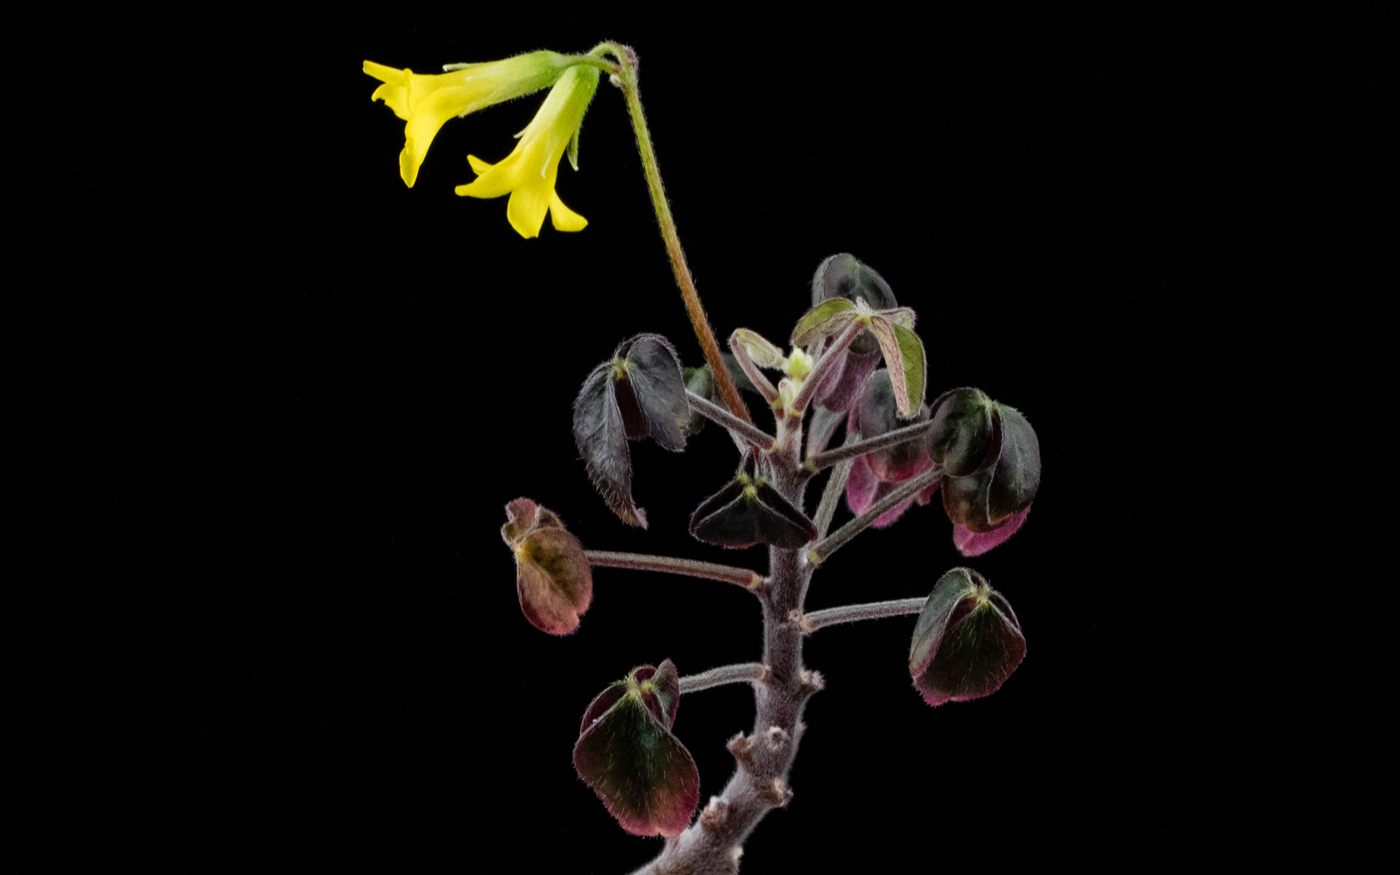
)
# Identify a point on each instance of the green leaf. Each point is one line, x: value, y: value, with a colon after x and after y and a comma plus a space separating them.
x: 825, y: 319
x: 904, y: 357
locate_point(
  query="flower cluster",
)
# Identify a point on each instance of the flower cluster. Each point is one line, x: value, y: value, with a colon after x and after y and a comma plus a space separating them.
x: 528, y: 173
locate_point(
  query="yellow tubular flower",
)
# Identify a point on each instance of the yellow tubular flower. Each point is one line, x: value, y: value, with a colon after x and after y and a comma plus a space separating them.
x: 426, y: 101
x: 527, y: 174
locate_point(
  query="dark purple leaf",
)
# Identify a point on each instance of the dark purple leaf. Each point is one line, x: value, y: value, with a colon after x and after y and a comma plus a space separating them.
x: 642, y: 773
x: 1007, y: 482
x: 748, y: 511
x: 653, y: 370
x: 962, y: 430
x: 967, y: 640
x: 602, y: 439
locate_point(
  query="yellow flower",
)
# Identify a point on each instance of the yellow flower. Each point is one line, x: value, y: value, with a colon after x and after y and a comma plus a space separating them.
x: 528, y: 173
x: 426, y: 101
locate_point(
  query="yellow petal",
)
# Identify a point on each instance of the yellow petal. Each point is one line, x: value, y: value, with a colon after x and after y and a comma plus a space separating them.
x: 494, y: 181
x: 478, y: 166
x: 427, y: 118
x: 563, y: 218
x: 394, y: 91
x: 528, y: 204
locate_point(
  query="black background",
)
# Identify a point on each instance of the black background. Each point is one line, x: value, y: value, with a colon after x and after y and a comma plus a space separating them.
x: 329, y: 385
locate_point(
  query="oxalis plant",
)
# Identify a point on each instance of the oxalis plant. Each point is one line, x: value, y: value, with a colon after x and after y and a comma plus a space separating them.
x: 855, y: 368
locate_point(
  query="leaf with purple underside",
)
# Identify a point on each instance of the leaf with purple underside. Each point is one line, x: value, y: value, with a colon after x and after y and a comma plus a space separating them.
x: 552, y: 576
x: 967, y: 640
x: 970, y: 543
x: 642, y: 773
x: 874, y: 415
x: 1007, y: 481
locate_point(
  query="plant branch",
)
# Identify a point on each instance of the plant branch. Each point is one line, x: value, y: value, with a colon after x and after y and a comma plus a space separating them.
x: 725, y: 674
x: 851, y: 613
x: 750, y: 580
x: 837, y: 539
x: 831, y: 495
x: 760, y: 439
x: 869, y: 445
x: 626, y: 79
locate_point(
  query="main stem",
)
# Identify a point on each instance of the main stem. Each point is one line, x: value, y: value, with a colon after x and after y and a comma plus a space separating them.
x: 627, y: 60
x: 760, y: 783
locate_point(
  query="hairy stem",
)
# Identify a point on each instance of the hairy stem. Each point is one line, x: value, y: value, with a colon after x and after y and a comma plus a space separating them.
x: 831, y: 495
x: 749, y: 432
x: 869, y: 445
x: 751, y: 580
x: 851, y: 613
x: 760, y: 782
x: 725, y: 674
x: 838, y: 539
x: 627, y: 80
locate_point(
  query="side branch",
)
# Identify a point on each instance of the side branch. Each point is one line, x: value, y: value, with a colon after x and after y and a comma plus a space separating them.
x: 851, y: 613
x: 725, y: 674
x: 751, y: 433
x: 750, y: 580
x: 831, y: 495
x: 870, y: 445
x: 628, y: 82
x: 837, y: 539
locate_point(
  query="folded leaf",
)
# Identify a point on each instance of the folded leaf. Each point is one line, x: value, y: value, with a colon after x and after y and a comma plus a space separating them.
x: 642, y: 773
x: 552, y: 575
x: 748, y: 511
x: 967, y: 640
x: 639, y: 393
x: 824, y: 320
x: 602, y: 440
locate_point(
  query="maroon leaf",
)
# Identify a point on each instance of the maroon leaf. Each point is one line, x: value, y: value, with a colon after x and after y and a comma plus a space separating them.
x: 642, y: 773
x: 552, y: 576
x: 967, y: 640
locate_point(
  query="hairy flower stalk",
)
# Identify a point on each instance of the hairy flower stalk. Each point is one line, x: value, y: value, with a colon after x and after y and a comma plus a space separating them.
x: 626, y: 79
